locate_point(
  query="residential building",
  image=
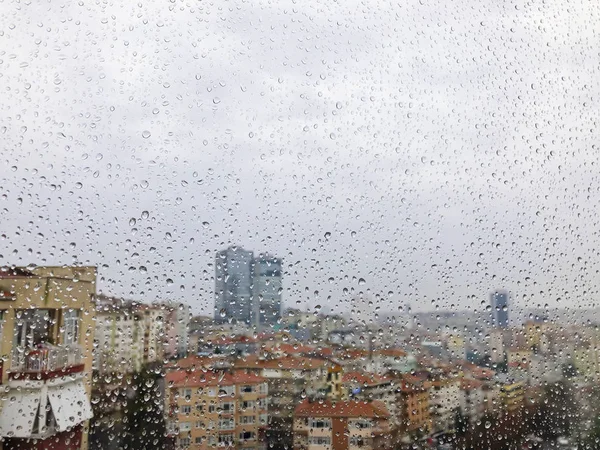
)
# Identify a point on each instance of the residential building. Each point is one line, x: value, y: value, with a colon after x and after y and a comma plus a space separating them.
x: 371, y: 386
x: 177, y: 320
x: 129, y: 335
x: 499, y: 308
x: 47, y: 330
x: 216, y: 408
x: 444, y: 394
x: 290, y: 379
x: 342, y: 425
x: 114, y: 338
x: 413, y: 409
x: 511, y: 394
x: 472, y: 400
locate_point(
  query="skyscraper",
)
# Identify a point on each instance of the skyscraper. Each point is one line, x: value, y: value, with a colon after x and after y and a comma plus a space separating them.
x: 234, y: 269
x: 266, y: 291
x: 247, y: 289
x: 499, y: 308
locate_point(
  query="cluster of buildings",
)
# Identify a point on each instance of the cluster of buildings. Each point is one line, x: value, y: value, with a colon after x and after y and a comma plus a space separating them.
x: 251, y: 377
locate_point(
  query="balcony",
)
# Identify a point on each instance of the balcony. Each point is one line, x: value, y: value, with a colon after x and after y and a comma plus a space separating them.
x: 46, y: 362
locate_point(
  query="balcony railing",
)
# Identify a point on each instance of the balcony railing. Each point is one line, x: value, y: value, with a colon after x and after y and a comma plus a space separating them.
x: 48, y: 358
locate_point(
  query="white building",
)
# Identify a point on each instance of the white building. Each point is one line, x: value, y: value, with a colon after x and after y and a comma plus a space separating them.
x: 444, y: 400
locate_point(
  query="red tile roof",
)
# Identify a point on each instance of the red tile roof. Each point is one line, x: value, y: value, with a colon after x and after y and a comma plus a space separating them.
x: 364, y: 378
x: 283, y: 363
x: 194, y: 362
x: 393, y: 352
x: 351, y: 408
x: 468, y: 384
x: 183, y: 378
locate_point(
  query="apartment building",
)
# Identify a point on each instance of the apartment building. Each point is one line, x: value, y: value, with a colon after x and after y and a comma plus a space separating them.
x: 370, y: 386
x: 46, y: 333
x: 129, y: 335
x: 444, y: 394
x: 472, y: 399
x: 342, y: 425
x: 177, y: 322
x: 413, y: 410
x: 289, y: 378
x: 512, y: 394
x: 216, y: 408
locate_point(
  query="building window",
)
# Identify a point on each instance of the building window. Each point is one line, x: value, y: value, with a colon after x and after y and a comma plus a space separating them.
x: 199, y: 424
x: 70, y: 326
x: 226, y: 424
x: 247, y: 420
x: 186, y: 393
x: 200, y: 408
x: 263, y: 388
x: 185, y: 426
x: 212, y: 392
x: 362, y: 424
x: 227, y: 407
x: 186, y: 409
x: 211, y: 408
x: 226, y: 390
x: 247, y: 388
x: 357, y: 441
x: 198, y: 440
x: 319, y: 440
x: 226, y: 438
x: 319, y: 423
x: 247, y: 435
x: 248, y: 404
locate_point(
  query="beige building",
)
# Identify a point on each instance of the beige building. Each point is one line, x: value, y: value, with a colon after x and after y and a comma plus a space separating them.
x: 342, y: 425
x: 47, y: 339
x: 128, y: 335
x: 216, y: 408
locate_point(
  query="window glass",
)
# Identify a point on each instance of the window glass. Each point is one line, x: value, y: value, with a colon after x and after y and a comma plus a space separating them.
x: 278, y: 224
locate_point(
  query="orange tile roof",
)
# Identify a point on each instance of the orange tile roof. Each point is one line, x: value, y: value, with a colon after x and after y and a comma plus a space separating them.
x: 193, y: 362
x: 364, y: 379
x: 183, y: 378
x: 283, y: 363
x: 394, y: 352
x: 352, y: 354
x: 468, y: 384
x: 351, y: 408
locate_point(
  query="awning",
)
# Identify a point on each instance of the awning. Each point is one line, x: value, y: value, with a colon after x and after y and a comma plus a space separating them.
x: 70, y: 405
x: 18, y: 413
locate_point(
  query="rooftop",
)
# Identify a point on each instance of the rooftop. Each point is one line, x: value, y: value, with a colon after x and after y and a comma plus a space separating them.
x: 199, y: 378
x: 351, y: 408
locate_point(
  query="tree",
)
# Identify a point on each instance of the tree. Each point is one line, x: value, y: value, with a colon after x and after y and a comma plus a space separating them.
x: 144, y: 423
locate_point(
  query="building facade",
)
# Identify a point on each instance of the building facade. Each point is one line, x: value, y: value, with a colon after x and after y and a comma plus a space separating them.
x: 499, y: 308
x: 342, y: 425
x: 129, y: 336
x: 234, y: 267
x: 266, y: 291
x: 216, y: 408
x: 47, y: 334
x: 247, y: 289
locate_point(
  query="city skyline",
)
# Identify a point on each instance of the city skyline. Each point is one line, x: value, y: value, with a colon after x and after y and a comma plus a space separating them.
x: 382, y: 151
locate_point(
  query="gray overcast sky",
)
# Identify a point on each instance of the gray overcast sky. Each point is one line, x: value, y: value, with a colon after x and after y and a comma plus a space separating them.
x: 445, y: 148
